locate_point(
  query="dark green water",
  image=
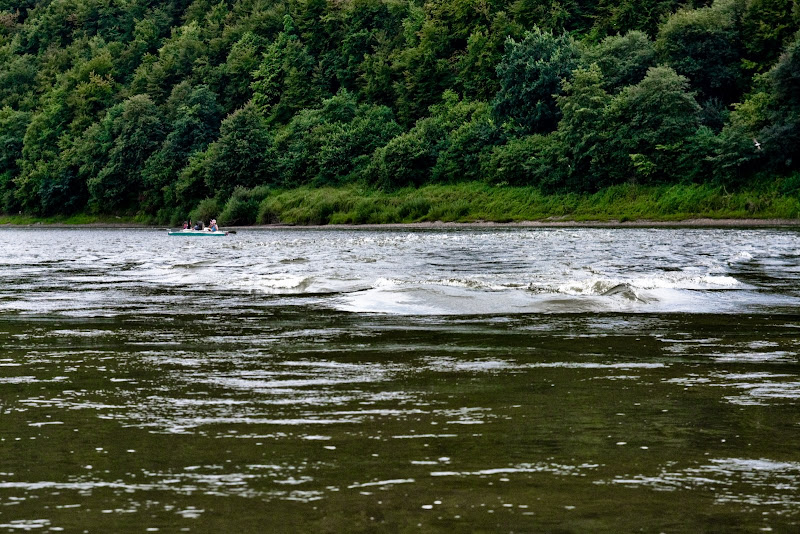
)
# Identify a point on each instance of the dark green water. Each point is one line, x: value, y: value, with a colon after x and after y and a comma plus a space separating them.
x: 134, y: 401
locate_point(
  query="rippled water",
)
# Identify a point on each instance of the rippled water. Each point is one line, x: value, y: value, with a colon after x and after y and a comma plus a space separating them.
x: 577, y: 380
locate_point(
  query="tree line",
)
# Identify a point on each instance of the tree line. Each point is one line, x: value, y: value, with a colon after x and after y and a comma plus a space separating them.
x: 154, y: 107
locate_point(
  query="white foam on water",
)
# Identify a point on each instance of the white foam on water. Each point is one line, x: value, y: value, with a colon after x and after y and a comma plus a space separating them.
x: 602, y: 286
x: 485, y: 365
x: 779, y: 356
x: 25, y: 524
x: 387, y: 301
x: 595, y: 365
x: 431, y: 272
x: 424, y: 436
x: 390, y: 482
x: 754, y: 481
x: 742, y: 256
x: 277, y: 283
x: 725, y: 281
x: 552, y: 468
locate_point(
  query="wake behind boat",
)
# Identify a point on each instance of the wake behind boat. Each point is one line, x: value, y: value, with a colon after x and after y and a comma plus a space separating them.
x: 190, y: 232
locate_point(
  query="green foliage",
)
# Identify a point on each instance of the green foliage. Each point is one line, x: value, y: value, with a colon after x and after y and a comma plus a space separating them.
x: 408, y: 158
x: 451, y: 45
x: 368, y: 32
x: 137, y: 131
x: 764, y: 130
x: 473, y: 201
x: 206, y: 210
x: 526, y: 160
x: 242, y: 208
x: 156, y: 75
x: 194, y: 126
x: 791, y: 185
x: 782, y: 135
x: 768, y: 26
x: 583, y: 133
x: 330, y: 144
x: 705, y: 46
x: 17, y: 79
x: 436, y: 147
x: 477, y: 66
x: 144, y: 108
x: 467, y: 146
x: 651, y: 123
x: 623, y: 59
x: 288, y: 78
x: 241, y: 156
x: 555, y: 15
x: 348, y: 145
x: 622, y: 16
x: 12, y: 130
x: 244, y: 57
x: 530, y: 74
x: 785, y: 78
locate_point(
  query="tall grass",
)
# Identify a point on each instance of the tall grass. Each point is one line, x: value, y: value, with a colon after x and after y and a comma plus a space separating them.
x: 470, y: 202
x: 76, y: 220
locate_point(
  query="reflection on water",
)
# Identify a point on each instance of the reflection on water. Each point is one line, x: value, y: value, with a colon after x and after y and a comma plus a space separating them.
x: 341, y: 381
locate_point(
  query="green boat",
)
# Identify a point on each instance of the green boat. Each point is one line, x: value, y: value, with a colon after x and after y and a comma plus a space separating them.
x: 200, y: 233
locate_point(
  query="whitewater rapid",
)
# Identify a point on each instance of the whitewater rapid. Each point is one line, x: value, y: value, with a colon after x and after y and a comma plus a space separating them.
x: 411, y: 272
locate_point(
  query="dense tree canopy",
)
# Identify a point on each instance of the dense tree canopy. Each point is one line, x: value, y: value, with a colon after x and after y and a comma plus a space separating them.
x: 161, y: 107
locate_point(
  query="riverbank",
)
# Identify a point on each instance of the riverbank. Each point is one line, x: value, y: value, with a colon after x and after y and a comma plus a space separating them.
x: 644, y: 223
x: 469, y: 204
x: 475, y: 202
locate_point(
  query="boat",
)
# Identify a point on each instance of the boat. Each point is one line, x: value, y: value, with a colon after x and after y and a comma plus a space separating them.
x: 200, y: 233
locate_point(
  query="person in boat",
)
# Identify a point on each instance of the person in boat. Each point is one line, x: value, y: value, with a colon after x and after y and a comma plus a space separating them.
x: 199, y: 225
x: 213, y: 225
x: 186, y: 225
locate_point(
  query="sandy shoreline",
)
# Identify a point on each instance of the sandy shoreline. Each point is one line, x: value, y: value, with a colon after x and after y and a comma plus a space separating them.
x: 548, y: 223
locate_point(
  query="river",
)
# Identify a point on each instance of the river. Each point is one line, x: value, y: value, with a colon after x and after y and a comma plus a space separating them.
x: 398, y: 380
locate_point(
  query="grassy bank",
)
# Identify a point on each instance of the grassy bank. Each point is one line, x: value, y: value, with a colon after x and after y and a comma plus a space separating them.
x: 472, y: 202
x: 76, y: 220
x: 466, y: 202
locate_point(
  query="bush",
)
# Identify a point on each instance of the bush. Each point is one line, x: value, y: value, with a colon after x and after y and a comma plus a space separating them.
x: 239, y: 212
x: 790, y: 185
x: 527, y: 160
x: 269, y: 211
x: 205, y: 211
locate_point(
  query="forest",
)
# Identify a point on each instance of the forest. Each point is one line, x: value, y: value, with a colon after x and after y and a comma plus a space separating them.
x: 162, y: 110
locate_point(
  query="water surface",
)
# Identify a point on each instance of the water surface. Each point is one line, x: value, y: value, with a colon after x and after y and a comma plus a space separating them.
x: 577, y: 380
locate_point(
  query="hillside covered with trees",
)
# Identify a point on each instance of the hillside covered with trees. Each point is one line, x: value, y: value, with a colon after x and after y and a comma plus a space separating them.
x: 158, y: 108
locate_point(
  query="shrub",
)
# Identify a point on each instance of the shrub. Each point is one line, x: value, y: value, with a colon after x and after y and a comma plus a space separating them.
x: 790, y: 185
x: 269, y: 211
x: 205, y: 211
x: 239, y: 212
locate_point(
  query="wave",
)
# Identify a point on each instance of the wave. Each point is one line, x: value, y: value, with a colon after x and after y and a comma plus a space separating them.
x: 665, y: 291
x: 611, y: 286
x: 275, y: 284
x: 466, y: 283
x: 741, y: 257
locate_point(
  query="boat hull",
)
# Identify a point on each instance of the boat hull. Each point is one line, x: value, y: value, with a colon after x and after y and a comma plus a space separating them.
x: 198, y: 233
